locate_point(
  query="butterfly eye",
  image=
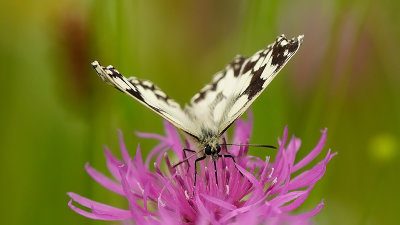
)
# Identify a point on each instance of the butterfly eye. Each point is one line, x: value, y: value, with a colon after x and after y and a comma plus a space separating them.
x: 207, y: 149
x: 218, y: 148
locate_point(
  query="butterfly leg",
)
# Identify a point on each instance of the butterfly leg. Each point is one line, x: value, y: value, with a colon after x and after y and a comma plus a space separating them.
x: 228, y: 156
x: 184, y: 153
x: 233, y: 159
x: 195, y: 169
x: 216, y: 174
x: 185, y: 158
x: 188, y: 150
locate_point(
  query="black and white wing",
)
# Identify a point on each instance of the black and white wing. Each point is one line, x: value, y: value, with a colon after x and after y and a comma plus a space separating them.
x: 234, y: 89
x: 149, y: 95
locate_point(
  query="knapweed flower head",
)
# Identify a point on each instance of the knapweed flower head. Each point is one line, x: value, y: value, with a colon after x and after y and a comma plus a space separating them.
x: 252, y: 191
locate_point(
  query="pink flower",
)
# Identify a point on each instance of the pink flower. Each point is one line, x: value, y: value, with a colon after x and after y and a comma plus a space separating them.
x: 254, y: 191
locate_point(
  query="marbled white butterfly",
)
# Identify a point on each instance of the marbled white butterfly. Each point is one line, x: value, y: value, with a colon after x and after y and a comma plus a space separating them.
x: 213, y: 110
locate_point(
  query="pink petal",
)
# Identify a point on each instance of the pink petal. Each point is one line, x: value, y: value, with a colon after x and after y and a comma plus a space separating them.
x: 103, y: 180
x: 307, y: 215
x: 133, y: 205
x: 251, y: 217
x: 167, y: 185
x: 112, y: 163
x: 173, y: 138
x: 314, y: 153
x: 292, y: 149
x: 155, y: 151
x: 212, y: 204
x: 258, y: 188
x: 241, y: 210
x: 219, y: 202
x: 284, y: 137
x: 138, y: 160
x: 296, y: 203
x: 99, y: 211
x: 242, y: 132
x: 285, y: 187
x: 127, y: 222
x: 264, y: 174
x: 282, y: 199
x: 167, y: 217
x: 281, y: 148
x: 204, y: 213
x: 124, y: 151
x: 151, y: 136
x: 311, y: 176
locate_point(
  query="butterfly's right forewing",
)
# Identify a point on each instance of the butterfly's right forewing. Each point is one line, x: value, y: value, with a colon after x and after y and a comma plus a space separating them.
x: 233, y: 89
x: 256, y: 74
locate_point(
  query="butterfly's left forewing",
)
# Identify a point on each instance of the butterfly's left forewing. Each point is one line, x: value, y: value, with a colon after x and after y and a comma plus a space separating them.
x: 149, y: 95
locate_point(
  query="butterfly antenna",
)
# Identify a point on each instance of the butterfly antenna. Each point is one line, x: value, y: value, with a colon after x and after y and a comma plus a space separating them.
x: 251, y: 145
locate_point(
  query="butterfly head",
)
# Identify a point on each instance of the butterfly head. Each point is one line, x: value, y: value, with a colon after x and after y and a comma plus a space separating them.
x: 212, y: 150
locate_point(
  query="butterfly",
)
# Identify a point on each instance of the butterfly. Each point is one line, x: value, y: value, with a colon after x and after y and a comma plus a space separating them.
x: 212, y: 110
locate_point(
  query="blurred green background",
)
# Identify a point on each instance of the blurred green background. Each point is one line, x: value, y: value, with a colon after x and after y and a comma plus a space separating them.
x: 57, y: 114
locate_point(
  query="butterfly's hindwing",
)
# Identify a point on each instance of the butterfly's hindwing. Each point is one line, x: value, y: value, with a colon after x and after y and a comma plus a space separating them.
x: 219, y: 79
x: 207, y: 103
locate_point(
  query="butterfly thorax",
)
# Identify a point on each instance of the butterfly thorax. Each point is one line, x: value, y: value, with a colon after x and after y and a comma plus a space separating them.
x: 209, y: 143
